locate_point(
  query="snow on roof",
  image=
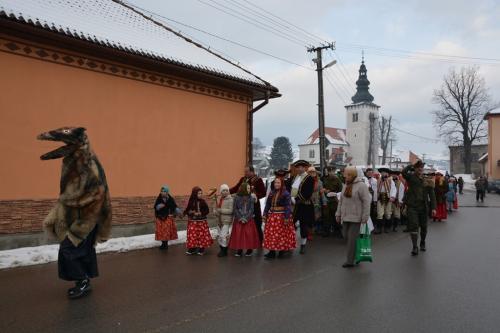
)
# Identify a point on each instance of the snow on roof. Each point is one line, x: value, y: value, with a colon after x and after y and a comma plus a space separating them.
x: 332, y: 134
x: 110, y: 24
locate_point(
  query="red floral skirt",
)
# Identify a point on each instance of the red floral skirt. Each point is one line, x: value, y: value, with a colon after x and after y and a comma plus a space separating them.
x: 279, y: 233
x: 198, y: 234
x: 455, y: 202
x: 165, y: 229
x: 441, y: 212
x: 244, y: 236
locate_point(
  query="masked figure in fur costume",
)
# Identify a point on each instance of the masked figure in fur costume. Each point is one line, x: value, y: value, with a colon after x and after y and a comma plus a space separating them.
x: 82, y: 214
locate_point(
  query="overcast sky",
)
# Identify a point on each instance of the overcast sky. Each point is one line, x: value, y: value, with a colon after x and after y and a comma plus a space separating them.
x: 402, y: 86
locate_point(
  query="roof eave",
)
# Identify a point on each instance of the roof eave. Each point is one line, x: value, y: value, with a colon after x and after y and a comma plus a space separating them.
x: 56, y: 39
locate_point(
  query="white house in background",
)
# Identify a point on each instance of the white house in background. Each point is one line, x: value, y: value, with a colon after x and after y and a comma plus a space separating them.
x: 336, y: 146
x: 362, y: 123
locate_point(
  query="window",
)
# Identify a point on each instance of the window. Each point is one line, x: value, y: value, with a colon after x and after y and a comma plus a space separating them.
x: 311, y: 153
x: 354, y: 117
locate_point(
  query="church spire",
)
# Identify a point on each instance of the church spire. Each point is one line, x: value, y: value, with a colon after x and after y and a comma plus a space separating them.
x: 362, y: 94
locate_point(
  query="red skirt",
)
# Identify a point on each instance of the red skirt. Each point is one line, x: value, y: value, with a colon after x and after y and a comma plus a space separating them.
x: 165, y: 229
x: 279, y: 233
x: 455, y: 202
x: 441, y: 212
x: 244, y: 236
x: 198, y: 234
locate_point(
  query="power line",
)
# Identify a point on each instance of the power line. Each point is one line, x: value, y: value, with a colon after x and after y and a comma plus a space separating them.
x: 342, y: 89
x: 242, y: 17
x: 207, y: 49
x: 224, y: 39
x: 290, y: 23
x: 417, y: 136
x: 335, y: 90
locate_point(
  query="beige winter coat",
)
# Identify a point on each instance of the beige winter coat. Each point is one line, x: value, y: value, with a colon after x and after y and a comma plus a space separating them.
x: 225, y: 212
x: 356, y: 208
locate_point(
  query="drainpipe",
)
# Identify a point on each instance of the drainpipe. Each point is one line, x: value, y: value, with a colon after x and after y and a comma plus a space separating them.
x: 250, y: 127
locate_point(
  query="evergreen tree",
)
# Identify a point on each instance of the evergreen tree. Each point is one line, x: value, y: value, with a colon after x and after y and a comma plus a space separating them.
x: 281, y: 153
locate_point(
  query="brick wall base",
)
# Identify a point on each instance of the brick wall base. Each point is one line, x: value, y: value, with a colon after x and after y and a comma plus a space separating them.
x: 26, y: 216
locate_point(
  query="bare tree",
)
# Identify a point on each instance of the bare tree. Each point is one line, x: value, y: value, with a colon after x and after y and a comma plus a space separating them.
x: 463, y: 101
x: 387, y: 134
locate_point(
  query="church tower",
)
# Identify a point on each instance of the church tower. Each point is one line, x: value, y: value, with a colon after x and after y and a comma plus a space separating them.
x: 362, y: 123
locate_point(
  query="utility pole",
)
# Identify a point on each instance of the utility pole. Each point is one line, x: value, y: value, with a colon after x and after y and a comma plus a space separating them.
x: 321, y: 105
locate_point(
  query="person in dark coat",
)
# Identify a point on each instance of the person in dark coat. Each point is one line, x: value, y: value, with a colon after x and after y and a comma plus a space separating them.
x: 198, y: 233
x: 258, y: 190
x: 420, y: 198
x: 165, y: 210
x: 301, y: 193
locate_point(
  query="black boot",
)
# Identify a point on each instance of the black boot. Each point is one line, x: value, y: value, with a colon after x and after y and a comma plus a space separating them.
x: 395, y: 223
x: 282, y: 254
x: 270, y: 255
x: 164, y: 245
x: 191, y: 251
x: 414, y: 239
x: 222, y: 252
x: 378, y: 227
x: 302, y: 249
x: 81, y: 289
x: 422, y: 246
x: 249, y: 253
x: 387, y: 225
x: 238, y: 253
x: 201, y: 251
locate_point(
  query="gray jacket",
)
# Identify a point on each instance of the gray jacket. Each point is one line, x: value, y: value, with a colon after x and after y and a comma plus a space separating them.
x: 356, y: 208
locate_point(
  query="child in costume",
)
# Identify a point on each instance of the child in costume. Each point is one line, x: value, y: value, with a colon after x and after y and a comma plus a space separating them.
x: 198, y: 233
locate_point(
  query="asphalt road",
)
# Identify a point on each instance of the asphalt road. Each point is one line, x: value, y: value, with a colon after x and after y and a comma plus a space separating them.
x: 453, y: 287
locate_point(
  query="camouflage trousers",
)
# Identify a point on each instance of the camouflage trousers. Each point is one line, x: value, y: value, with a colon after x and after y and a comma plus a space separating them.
x: 417, y: 218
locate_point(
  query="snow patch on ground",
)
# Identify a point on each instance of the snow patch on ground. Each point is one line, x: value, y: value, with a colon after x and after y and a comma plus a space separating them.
x: 28, y: 256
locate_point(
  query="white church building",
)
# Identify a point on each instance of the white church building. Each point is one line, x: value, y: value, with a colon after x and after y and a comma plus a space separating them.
x: 359, y: 142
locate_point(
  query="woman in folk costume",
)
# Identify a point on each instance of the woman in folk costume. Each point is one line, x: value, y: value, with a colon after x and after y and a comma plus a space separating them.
x: 440, y: 189
x: 224, y: 213
x: 303, y: 210
x: 198, y: 233
x: 165, y: 210
x: 318, y: 199
x: 244, y: 234
x: 279, y: 232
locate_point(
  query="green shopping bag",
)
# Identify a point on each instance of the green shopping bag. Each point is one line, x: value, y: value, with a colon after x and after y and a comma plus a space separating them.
x: 364, y: 247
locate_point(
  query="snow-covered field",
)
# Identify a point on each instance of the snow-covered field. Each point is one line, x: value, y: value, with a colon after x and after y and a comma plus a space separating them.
x: 27, y: 256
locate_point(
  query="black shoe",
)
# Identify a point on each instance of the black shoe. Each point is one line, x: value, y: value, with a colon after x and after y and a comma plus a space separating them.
x: 282, y: 254
x: 222, y: 252
x: 190, y: 252
x: 249, y: 253
x: 201, y: 251
x: 414, y: 252
x: 422, y: 246
x: 346, y: 265
x: 238, y: 253
x: 302, y: 249
x: 270, y: 255
x: 81, y: 289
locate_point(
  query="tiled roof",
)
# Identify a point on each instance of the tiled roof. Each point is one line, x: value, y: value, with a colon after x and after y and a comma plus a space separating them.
x: 333, y: 135
x: 109, y: 24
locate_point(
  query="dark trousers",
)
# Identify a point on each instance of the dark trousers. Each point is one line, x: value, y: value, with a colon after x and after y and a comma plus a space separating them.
x: 78, y: 263
x: 417, y: 219
x: 480, y: 195
x: 351, y: 233
x: 304, y: 213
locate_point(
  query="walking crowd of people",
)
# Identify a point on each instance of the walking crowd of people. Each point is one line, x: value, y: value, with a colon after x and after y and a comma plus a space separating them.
x: 340, y: 204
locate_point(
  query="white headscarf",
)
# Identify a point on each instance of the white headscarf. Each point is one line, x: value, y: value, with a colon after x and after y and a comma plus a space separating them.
x: 223, y: 187
x: 361, y: 175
